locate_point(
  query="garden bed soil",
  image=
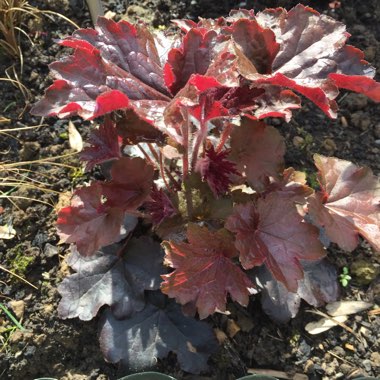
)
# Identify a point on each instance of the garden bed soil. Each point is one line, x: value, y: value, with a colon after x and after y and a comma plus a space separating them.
x: 68, y: 349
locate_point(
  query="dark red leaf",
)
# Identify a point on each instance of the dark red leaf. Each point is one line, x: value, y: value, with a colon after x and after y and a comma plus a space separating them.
x: 204, y: 272
x: 358, y: 83
x: 160, y: 207
x: 130, y: 47
x: 88, y: 223
x: 216, y: 169
x: 311, y: 55
x: 135, y: 128
x: 132, y: 180
x: 275, y: 236
x: 110, y: 67
x: 104, y: 145
x: 349, y: 204
x: 193, y: 57
x: 258, y: 151
x: 316, y: 94
x: 258, y: 45
x: 292, y: 184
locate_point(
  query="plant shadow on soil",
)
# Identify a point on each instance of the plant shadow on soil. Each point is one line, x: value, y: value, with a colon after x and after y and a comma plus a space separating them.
x: 69, y: 349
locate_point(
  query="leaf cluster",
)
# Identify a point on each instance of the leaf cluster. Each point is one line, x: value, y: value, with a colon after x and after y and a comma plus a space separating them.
x: 192, y: 158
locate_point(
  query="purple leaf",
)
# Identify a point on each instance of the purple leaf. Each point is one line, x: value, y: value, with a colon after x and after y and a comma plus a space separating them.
x: 319, y: 286
x: 154, y: 332
x: 109, y: 279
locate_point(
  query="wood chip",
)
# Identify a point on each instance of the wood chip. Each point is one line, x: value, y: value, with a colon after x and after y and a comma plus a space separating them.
x: 349, y: 346
x: 324, y: 324
x: 346, y: 307
x: 220, y: 336
x: 232, y: 328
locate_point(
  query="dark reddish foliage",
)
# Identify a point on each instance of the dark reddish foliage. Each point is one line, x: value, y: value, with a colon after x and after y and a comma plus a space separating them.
x: 191, y: 107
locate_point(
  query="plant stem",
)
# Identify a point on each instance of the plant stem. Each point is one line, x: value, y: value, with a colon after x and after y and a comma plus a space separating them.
x: 224, y: 136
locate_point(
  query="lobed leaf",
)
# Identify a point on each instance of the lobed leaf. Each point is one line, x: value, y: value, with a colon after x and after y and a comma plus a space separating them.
x: 275, y: 236
x: 313, y: 58
x: 192, y: 57
x: 88, y: 223
x: 349, y: 204
x: 319, y: 286
x: 131, y: 183
x: 258, y: 151
x: 103, y: 145
x: 154, y: 332
x: 204, y: 271
x: 108, y: 278
x: 94, y: 218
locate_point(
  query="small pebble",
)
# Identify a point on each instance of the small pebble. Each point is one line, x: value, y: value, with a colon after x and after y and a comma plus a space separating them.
x: 367, y: 365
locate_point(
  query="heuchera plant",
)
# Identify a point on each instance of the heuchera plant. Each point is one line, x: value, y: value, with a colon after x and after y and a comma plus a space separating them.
x: 181, y: 124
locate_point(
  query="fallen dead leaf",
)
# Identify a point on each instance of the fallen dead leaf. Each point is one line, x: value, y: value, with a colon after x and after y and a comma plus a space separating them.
x: 324, y: 324
x: 346, y: 307
x: 75, y: 139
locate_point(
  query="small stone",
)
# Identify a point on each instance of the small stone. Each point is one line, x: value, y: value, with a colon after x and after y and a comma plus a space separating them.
x: 29, y: 151
x: 375, y: 359
x: 344, y: 122
x: 136, y: 12
x: 356, y: 102
x: 18, y: 308
x: 367, y: 365
x: 359, y: 28
x: 298, y: 141
x: 345, y: 368
x: 364, y: 331
x: 23, y: 197
x: 370, y: 53
x: 309, y: 367
x: 377, y: 142
x: 50, y: 250
x: 18, y: 354
x: 365, y: 123
x: 39, y: 339
x: 331, y: 368
x: 364, y: 271
x: 338, y: 350
x: 356, y: 119
x: 20, y: 336
x: 329, y: 145
x: 29, y: 352
x: 376, y: 131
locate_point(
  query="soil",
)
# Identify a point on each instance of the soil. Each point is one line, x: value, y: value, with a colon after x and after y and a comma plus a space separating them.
x: 50, y: 347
